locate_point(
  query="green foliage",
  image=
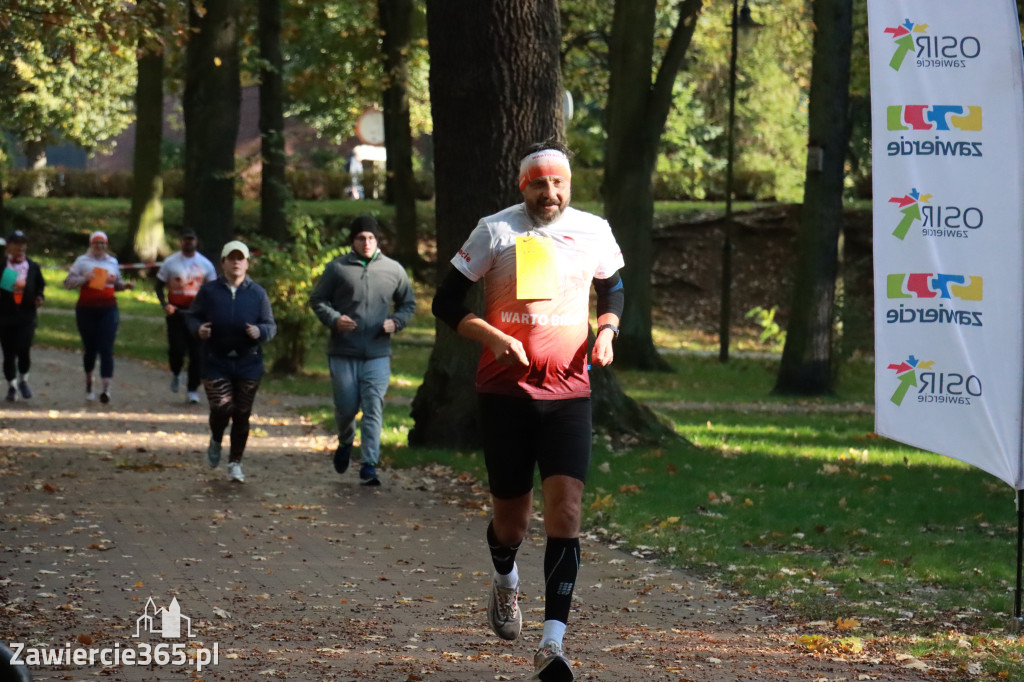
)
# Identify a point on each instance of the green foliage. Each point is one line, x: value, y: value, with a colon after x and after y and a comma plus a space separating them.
x: 67, y: 71
x: 771, y: 332
x: 333, y: 69
x: 288, y: 272
x: 771, y: 106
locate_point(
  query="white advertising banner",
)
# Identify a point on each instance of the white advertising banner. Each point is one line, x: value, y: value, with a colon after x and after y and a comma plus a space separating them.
x: 947, y: 115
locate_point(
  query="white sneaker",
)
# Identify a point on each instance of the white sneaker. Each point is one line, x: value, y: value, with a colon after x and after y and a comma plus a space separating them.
x: 235, y: 472
x: 90, y: 396
x: 193, y: 398
x: 551, y: 665
x: 503, y: 612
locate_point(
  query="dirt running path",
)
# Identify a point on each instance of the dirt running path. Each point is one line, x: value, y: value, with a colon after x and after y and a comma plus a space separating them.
x: 301, y: 574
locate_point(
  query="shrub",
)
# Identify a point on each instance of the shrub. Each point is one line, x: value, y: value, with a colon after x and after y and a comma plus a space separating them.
x: 288, y: 272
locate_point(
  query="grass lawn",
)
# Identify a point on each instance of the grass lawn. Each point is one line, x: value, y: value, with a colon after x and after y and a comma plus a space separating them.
x: 797, y: 503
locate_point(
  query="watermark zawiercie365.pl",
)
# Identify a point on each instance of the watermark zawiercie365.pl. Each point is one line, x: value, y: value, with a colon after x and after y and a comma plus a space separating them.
x: 167, y: 622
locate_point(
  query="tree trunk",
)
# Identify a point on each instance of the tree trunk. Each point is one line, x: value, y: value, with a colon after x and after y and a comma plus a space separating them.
x: 400, y: 186
x: 490, y: 99
x: 273, y: 188
x: 622, y: 421
x: 636, y: 114
x: 35, y: 160
x: 211, y: 110
x: 146, y: 237
x: 806, y: 367
x: 3, y: 211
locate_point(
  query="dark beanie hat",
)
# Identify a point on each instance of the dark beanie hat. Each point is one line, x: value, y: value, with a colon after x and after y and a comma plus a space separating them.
x: 363, y: 223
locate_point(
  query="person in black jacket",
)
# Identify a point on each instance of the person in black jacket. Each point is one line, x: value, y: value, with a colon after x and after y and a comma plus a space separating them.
x: 21, y: 292
x: 232, y: 317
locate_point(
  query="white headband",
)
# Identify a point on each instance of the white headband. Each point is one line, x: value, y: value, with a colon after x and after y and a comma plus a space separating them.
x: 543, y: 163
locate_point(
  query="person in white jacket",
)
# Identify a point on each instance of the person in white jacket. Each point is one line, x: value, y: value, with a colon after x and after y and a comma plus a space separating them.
x: 97, y: 275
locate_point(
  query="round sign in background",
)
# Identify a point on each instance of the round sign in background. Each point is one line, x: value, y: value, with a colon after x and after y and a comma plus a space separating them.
x: 370, y: 127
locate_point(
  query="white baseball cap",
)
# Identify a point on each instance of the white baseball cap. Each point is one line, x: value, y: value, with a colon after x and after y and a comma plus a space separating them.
x: 234, y: 246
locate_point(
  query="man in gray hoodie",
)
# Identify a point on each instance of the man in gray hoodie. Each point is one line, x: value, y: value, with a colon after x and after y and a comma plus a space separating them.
x: 363, y: 297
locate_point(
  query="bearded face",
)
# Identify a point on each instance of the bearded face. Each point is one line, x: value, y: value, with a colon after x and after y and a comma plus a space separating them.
x: 546, y: 198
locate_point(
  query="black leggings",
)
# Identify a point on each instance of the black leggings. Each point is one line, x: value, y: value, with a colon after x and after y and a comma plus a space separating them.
x: 231, y: 401
x: 179, y: 344
x: 98, y: 329
x: 16, y: 342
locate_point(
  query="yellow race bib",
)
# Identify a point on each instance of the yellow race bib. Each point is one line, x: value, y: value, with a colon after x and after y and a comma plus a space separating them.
x: 536, y: 273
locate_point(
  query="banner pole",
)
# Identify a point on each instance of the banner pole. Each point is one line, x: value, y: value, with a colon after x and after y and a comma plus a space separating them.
x: 1020, y: 557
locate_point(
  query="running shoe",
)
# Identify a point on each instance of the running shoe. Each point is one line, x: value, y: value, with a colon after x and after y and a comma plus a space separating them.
x: 12, y: 394
x: 193, y: 398
x: 342, y: 456
x: 90, y: 395
x: 550, y: 664
x: 235, y: 472
x: 213, y: 453
x: 26, y: 392
x: 503, y: 610
x: 175, y: 382
x: 368, y: 475
x: 105, y: 397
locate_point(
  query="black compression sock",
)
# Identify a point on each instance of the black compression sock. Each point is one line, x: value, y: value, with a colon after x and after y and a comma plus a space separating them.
x: 503, y: 556
x: 561, y: 565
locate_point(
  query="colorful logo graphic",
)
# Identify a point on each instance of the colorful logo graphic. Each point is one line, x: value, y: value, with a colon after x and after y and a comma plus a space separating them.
x: 931, y: 51
x: 906, y: 373
x: 936, y: 220
x: 910, y: 207
x: 933, y: 117
x: 935, y: 388
x: 903, y: 39
x: 932, y: 285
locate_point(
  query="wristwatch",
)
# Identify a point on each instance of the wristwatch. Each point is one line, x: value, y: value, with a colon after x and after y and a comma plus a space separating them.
x: 615, y: 330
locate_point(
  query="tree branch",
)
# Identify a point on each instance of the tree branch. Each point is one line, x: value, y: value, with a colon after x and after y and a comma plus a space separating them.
x: 672, y: 63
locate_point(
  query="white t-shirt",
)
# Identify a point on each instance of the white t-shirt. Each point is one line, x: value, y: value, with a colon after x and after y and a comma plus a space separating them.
x: 552, y: 330
x: 183, y: 276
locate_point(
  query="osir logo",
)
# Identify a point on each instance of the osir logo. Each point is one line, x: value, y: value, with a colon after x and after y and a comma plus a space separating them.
x: 951, y: 388
x: 937, y: 220
x: 930, y: 51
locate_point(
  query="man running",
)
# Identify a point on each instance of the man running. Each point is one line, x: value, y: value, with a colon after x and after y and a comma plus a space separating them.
x: 177, y: 283
x: 538, y: 260
x: 364, y: 298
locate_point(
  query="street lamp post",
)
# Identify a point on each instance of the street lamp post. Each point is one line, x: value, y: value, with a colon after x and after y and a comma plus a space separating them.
x: 741, y: 20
